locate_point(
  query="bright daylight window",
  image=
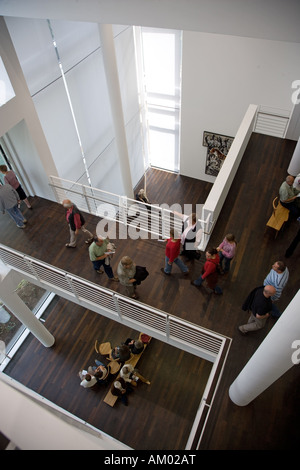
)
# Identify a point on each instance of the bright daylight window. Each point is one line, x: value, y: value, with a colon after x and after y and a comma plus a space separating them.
x: 162, y: 75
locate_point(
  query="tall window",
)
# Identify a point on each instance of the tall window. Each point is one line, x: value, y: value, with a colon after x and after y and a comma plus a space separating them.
x: 161, y: 51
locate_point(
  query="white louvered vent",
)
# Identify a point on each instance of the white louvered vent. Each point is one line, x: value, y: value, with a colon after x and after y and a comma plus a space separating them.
x: 271, y: 121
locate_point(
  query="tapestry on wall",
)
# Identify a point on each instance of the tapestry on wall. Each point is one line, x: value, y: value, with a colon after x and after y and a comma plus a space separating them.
x: 217, y: 148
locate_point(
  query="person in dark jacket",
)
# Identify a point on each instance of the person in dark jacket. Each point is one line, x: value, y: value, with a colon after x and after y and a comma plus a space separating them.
x: 122, y: 353
x: 135, y: 346
x: 259, y: 303
x: 76, y: 222
x: 120, y: 389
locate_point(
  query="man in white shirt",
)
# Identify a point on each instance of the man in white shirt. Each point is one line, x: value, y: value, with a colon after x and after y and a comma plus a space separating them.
x: 87, y: 380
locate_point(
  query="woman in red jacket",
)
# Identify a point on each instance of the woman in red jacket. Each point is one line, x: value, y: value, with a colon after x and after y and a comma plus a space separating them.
x: 172, y: 255
x: 209, y: 271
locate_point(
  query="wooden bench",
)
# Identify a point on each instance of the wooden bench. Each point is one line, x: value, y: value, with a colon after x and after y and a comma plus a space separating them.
x: 279, y: 216
x: 111, y: 399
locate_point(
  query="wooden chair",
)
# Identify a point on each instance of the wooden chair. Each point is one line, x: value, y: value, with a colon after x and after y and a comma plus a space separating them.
x: 105, y: 350
x: 279, y: 216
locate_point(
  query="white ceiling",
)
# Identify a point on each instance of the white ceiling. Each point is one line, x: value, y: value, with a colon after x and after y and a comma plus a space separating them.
x: 265, y: 19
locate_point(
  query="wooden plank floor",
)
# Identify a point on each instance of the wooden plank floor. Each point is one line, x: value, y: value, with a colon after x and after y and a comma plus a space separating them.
x: 273, y: 415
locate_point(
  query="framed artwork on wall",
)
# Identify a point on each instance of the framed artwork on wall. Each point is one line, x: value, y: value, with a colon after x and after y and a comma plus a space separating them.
x: 217, y: 148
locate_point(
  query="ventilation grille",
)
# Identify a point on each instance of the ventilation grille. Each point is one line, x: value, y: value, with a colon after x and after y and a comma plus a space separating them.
x: 272, y: 122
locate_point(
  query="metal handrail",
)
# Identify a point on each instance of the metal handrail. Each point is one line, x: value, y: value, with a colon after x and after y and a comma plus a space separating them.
x: 83, y: 195
x: 169, y: 328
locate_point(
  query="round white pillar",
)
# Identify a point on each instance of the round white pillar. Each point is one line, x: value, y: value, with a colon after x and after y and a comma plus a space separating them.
x: 112, y: 78
x: 272, y: 359
x: 294, y: 166
x: 8, y: 285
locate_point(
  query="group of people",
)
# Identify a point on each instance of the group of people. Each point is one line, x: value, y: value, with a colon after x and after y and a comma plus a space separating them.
x: 261, y: 301
x: 11, y: 196
x: 128, y: 377
x: 178, y: 245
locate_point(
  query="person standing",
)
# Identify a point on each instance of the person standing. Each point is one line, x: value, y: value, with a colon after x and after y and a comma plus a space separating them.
x: 226, y: 252
x: 209, y: 272
x: 10, y: 178
x: 99, y: 253
x: 126, y: 274
x: 260, y: 304
x: 191, y: 235
x: 172, y: 255
x: 76, y: 222
x: 9, y: 201
x: 278, y: 278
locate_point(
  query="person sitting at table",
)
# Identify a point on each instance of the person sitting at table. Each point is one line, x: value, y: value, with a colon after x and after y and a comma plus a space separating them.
x: 101, y: 372
x: 132, y: 375
x: 87, y: 380
x: 120, y: 389
x: 122, y: 353
x: 135, y: 346
x: 288, y: 195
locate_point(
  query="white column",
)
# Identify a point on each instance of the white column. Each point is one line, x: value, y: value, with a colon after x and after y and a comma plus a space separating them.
x: 9, y: 281
x: 294, y: 166
x: 112, y: 78
x: 272, y: 359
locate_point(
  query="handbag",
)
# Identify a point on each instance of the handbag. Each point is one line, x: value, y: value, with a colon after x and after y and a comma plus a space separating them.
x: 140, y: 274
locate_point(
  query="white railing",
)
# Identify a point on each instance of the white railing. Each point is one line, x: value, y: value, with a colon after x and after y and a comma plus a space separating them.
x: 153, y: 219
x: 161, y: 325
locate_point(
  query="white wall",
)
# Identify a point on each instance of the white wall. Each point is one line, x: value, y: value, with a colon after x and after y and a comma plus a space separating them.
x: 80, y: 52
x: 221, y: 76
x: 269, y: 19
x: 33, y: 423
x: 19, y: 119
